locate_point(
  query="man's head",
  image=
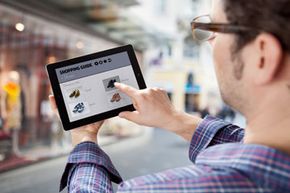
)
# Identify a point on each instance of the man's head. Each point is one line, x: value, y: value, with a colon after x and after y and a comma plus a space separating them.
x: 253, y: 66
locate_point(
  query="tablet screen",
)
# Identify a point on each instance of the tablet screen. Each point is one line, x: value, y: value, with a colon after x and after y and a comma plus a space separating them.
x: 88, y: 87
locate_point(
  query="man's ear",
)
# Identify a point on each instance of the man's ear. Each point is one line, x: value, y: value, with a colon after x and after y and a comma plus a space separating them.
x: 271, y: 54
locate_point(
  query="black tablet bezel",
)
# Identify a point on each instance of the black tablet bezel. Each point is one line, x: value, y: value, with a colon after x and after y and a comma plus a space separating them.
x: 59, y: 99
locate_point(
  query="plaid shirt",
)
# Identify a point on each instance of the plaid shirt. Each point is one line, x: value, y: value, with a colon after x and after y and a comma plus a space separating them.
x: 222, y: 163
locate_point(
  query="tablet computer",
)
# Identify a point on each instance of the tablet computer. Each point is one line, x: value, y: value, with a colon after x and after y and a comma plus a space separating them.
x: 84, y: 86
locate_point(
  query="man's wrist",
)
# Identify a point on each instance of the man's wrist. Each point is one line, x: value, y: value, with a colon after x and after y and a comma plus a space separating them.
x: 173, y: 122
x: 183, y: 124
x: 78, y: 138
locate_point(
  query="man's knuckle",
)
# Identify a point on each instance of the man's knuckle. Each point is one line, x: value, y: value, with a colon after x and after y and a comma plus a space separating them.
x: 151, y: 91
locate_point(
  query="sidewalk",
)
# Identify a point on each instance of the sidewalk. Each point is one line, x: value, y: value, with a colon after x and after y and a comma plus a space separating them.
x: 43, y: 153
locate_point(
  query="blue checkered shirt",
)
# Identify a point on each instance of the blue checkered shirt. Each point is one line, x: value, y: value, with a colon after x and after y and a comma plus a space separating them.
x: 221, y: 163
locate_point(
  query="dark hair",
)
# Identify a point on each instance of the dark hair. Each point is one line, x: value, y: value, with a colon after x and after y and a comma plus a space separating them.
x: 271, y: 16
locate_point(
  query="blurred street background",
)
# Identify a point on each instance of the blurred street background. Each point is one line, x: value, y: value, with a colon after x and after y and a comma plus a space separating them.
x: 33, y: 33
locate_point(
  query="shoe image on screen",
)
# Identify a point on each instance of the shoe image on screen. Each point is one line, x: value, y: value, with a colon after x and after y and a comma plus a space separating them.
x: 79, y: 109
x: 109, y: 83
x: 75, y: 93
x: 116, y: 97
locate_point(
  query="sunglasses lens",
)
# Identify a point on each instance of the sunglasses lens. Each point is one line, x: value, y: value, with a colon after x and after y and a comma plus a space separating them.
x: 201, y: 35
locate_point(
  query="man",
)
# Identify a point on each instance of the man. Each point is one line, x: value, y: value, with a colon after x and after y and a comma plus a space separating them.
x: 251, y: 50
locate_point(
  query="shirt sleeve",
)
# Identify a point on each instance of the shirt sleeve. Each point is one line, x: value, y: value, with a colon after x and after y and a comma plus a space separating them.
x: 190, y: 179
x: 89, y: 169
x: 213, y: 131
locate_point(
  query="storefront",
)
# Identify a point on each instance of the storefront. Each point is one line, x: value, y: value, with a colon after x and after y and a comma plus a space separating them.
x: 24, y: 86
x: 27, y: 43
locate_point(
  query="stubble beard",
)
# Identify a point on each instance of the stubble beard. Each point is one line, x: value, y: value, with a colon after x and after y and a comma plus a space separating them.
x: 231, y: 89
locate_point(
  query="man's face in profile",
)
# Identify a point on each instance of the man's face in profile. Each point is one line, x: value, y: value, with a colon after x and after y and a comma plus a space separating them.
x: 229, y: 65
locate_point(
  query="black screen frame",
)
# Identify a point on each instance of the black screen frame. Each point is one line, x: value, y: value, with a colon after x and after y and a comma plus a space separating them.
x: 59, y: 98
